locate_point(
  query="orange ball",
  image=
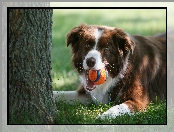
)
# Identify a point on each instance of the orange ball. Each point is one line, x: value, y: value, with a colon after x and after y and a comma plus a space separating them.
x: 98, y: 76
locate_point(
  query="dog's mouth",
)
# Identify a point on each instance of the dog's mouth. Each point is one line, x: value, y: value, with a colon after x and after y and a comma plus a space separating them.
x: 89, y: 84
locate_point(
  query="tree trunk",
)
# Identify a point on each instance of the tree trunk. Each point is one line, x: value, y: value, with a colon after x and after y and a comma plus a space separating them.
x: 30, y: 84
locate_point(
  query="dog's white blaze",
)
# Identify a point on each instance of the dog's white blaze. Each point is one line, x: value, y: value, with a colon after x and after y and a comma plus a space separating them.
x: 97, y: 34
x: 116, y: 110
x: 95, y: 53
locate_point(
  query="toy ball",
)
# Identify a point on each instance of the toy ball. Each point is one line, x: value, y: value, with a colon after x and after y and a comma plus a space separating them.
x: 98, y: 76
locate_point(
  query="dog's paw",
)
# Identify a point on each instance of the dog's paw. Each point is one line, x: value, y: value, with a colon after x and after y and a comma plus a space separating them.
x: 105, y: 116
x: 115, y: 111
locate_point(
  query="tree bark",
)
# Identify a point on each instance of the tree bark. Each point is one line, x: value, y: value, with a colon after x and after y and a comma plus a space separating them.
x: 30, y: 84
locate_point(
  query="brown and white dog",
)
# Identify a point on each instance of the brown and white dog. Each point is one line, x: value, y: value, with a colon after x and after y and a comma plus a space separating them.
x: 136, y: 68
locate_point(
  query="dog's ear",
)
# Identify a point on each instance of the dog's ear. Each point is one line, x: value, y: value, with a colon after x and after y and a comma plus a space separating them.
x: 72, y: 38
x: 123, y: 41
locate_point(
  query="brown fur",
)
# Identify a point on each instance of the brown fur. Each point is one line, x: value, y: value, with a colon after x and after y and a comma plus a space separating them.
x: 145, y: 77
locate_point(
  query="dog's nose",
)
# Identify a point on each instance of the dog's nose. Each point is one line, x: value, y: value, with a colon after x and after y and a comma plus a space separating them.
x: 90, y: 62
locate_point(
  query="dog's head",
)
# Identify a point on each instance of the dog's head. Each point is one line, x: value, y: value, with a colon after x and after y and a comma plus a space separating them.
x: 95, y: 47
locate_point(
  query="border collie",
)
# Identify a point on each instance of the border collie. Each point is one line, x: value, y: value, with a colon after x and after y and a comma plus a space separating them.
x: 136, y: 68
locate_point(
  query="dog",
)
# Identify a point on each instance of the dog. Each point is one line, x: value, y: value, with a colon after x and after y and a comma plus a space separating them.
x: 136, y: 68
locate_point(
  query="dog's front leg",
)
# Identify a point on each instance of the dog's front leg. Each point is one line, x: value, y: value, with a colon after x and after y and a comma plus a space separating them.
x: 71, y: 97
x: 115, y: 111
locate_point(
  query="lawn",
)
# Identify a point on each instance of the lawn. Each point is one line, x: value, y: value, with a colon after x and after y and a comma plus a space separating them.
x: 80, y: 114
x: 134, y: 21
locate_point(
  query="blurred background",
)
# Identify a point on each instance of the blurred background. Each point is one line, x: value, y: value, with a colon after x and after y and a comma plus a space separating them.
x: 134, y: 21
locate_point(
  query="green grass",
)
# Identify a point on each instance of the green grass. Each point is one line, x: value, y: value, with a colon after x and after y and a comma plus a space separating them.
x: 80, y: 114
x: 142, y: 22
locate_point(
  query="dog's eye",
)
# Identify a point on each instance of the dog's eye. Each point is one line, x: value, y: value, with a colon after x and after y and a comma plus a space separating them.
x: 87, y: 46
x: 106, y: 50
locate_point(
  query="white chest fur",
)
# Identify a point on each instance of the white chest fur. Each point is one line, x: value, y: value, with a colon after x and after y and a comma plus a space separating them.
x: 100, y: 93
